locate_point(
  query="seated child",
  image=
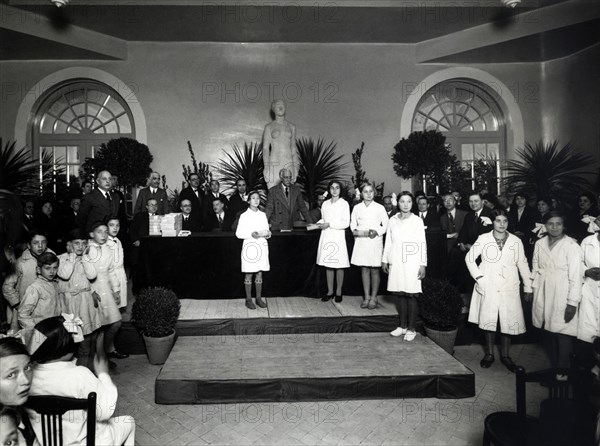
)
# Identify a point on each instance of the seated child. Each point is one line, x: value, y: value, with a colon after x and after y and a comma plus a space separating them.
x: 41, y: 299
x: 16, y: 284
x: 55, y: 373
x: 76, y: 293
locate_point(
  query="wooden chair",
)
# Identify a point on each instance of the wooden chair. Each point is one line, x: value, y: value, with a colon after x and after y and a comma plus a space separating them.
x: 52, y: 408
x: 563, y: 419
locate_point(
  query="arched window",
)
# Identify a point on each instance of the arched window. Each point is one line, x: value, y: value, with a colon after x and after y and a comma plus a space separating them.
x: 73, y: 119
x: 469, y: 117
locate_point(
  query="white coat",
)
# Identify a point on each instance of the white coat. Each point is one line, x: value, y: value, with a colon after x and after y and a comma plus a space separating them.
x: 332, y: 251
x: 496, y: 295
x: 255, y: 251
x: 367, y: 251
x: 556, y: 282
x: 589, y: 309
x: 405, y: 251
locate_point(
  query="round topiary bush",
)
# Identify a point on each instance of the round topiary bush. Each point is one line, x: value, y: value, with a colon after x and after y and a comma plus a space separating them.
x: 155, y: 311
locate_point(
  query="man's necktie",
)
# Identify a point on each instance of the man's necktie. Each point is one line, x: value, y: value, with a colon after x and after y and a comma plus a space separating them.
x: 287, y: 193
x: 220, y: 219
x: 108, y: 197
x: 452, y: 225
x: 422, y: 216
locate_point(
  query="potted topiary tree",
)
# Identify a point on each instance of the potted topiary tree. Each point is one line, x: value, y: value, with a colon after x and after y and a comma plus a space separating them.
x: 155, y: 313
x: 440, y: 306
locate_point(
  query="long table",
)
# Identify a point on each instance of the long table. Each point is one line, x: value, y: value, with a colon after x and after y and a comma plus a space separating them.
x: 208, y: 266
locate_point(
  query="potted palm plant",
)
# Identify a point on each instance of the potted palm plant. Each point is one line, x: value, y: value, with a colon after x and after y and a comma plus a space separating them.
x: 155, y: 313
x: 440, y: 306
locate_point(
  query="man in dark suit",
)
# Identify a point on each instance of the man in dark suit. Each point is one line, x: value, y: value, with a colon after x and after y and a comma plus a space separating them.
x: 390, y: 209
x: 521, y: 222
x: 451, y: 222
x: 99, y: 204
x: 207, y: 200
x: 431, y: 219
x: 285, y: 202
x: 152, y: 191
x: 28, y: 211
x: 189, y: 220
x: 219, y: 219
x: 238, y: 202
x: 193, y: 193
x: 477, y: 222
x: 69, y: 218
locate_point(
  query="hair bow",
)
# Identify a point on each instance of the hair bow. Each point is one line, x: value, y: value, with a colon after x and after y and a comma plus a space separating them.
x: 540, y: 230
x: 325, y: 194
x: 357, y: 195
x: 394, y: 199
x: 592, y: 223
x: 73, y: 325
x: 485, y: 221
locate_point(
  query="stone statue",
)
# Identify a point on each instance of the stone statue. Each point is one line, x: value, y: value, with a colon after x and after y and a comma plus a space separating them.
x: 279, y: 140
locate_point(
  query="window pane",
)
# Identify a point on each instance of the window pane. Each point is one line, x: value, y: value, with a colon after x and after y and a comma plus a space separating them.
x: 491, y: 122
x: 93, y: 109
x: 448, y: 108
x: 96, y: 96
x: 111, y: 127
x: 480, y: 151
x: 124, y: 124
x: 479, y: 105
x: 478, y: 125
x: 105, y: 115
x: 67, y: 115
x: 436, y: 114
x: 472, y: 114
x: 493, y: 150
x: 467, y: 151
x: 58, y: 107
x: 114, y: 106
x: 428, y: 103
x: 60, y: 127
x: 60, y: 154
x: 46, y: 124
x: 72, y: 154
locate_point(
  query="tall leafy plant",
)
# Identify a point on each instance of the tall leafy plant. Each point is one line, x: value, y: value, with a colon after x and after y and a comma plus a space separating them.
x: 319, y: 164
x: 19, y: 173
x: 246, y: 163
x: 548, y: 169
x: 199, y: 168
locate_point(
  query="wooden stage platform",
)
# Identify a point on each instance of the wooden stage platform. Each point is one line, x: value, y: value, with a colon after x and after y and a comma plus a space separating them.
x: 308, y: 367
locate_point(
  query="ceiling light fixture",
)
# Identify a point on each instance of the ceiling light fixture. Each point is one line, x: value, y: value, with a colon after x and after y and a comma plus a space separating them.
x: 60, y: 3
x: 510, y: 3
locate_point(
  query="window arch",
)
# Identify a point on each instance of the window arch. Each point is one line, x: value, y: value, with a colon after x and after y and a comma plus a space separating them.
x: 73, y: 119
x: 470, y: 118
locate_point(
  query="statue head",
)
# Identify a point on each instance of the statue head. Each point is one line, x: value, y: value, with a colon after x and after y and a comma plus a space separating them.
x: 278, y: 107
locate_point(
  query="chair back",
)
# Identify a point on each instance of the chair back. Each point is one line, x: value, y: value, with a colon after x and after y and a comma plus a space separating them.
x: 52, y: 408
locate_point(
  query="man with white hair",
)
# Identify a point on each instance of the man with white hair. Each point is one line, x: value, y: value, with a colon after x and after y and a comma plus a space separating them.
x: 285, y: 202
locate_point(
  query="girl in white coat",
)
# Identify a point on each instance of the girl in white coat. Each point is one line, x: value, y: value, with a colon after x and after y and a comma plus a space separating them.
x: 253, y: 228
x: 404, y: 260
x: 589, y: 309
x: 368, y: 223
x: 333, y: 252
x: 496, y: 294
x: 557, y: 277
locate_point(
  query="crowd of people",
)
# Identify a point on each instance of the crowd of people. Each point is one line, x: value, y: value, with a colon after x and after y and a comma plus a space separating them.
x: 68, y: 287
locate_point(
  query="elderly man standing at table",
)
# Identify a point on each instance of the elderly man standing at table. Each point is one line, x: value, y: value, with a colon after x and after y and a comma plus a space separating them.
x: 154, y: 192
x: 284, y: 202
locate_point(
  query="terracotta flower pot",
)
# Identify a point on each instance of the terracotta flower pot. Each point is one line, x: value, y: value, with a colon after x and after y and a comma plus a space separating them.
x: 158, y: 349
x: 444, y: 339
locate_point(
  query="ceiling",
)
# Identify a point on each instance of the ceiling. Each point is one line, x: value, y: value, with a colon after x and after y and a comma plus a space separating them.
x: 537, y: 30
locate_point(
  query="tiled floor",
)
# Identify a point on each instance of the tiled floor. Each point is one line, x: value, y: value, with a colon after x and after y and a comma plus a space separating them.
x: 365, y: 422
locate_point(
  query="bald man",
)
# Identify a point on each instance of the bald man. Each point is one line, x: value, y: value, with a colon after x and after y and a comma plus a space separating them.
x: 99, y: 204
